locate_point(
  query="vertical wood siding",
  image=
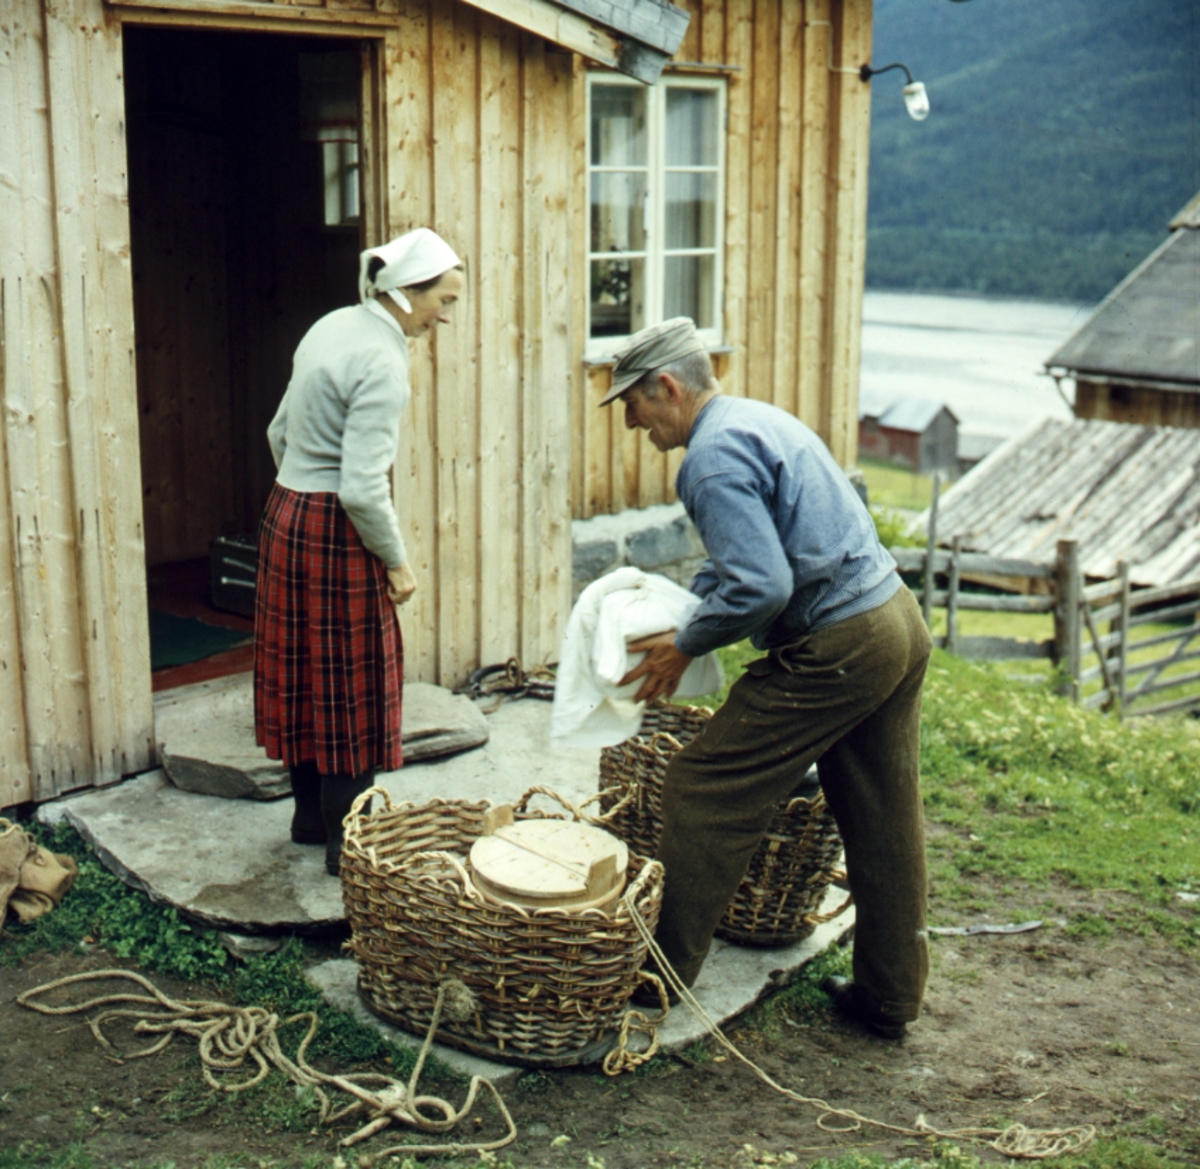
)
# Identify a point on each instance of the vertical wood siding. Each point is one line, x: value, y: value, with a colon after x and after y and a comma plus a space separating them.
x: 74, y: 643
x: 480, y: 122
x: 476, y: 129
x: 795, y: 235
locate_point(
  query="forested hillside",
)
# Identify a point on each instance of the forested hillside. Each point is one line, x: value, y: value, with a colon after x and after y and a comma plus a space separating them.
x: 1063, y: 136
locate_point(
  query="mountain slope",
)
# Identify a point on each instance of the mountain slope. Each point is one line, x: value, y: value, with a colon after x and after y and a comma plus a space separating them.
x: 1063, y: 135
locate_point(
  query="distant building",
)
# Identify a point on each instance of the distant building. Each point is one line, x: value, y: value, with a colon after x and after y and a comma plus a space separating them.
x: 917, y: 433
x: 1137, y: 359
x: 974, y: 448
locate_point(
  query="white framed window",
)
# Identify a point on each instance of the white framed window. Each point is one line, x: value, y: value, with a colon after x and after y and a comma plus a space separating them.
x: 341, y: 182
x: 656, y: 203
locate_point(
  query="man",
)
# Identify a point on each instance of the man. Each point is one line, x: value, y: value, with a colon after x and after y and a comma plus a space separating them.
x: 793, y: 563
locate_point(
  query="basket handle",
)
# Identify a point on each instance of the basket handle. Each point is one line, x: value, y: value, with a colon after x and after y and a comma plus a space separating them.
x: 607, y: 817
x: 354, y: 816
x: 522, y: 805
x: 822, y: 918
x: 669, y: 738
x: 634, y: 891
x: 450, y: 858
x: 815, y: 803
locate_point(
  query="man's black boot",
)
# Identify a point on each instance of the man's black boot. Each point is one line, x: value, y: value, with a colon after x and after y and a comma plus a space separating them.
x: 846, y: 1000
x: 338, y: 792
x: 308, y: 827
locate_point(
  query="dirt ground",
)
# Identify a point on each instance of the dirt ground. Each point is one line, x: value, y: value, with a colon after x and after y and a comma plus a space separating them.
x: 1044, y: 1028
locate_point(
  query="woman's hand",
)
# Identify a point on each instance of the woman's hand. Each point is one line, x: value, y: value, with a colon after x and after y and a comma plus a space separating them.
x: 401, y: 584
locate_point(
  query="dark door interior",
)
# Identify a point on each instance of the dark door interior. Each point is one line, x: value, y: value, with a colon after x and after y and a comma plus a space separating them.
x: 244, y: 209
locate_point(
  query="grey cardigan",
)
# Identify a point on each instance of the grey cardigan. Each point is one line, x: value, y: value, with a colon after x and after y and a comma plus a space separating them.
x: 338, y: 426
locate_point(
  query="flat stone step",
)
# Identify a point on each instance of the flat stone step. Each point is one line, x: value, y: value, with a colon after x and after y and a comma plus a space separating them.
x: 206, y: 741
x: 230, y: 863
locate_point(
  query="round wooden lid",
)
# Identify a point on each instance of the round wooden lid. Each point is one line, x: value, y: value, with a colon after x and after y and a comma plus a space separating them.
x: 550, y: 863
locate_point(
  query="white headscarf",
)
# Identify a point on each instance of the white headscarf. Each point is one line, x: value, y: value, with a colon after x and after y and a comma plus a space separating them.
x: 409, y: 259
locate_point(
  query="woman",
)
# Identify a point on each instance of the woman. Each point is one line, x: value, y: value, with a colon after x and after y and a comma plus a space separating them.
x: 328, y: 660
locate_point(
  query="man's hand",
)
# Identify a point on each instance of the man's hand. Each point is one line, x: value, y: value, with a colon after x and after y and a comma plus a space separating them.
x: 662, y: 667
x: 401, y: 584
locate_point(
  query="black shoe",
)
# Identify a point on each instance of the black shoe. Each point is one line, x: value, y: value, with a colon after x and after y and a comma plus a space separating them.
x: 307, y: 825
x: 338, y: 792
x: 845, y: 999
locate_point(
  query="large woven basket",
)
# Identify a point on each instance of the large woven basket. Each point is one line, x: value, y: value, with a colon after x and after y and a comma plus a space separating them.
x: 550, y: 986
x: 778, y: 901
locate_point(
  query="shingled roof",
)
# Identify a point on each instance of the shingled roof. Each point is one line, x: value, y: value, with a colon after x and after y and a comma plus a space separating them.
x: 1124, y: 492
x: 1147, y: 330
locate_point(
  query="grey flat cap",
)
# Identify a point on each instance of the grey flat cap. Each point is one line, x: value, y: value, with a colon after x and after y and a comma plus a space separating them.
x: 652, y: 348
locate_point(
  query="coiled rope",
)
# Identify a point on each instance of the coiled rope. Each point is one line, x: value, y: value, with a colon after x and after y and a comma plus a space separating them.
x: 228, y: 1036
x: 1014, y: 1141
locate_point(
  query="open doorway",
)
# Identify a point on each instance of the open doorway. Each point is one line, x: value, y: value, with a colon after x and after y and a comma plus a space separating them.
x: 245, y: 223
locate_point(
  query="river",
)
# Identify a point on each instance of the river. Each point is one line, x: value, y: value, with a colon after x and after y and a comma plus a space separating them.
x: 982, y: 356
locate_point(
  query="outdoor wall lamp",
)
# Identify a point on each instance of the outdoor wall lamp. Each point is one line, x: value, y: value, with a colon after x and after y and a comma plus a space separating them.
x: 916, y: 100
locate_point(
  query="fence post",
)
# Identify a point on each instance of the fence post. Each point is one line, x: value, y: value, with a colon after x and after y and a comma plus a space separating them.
x: 952, y: 596
x: 930, y: 551
x: 1122, y: 624
x: 1067, y: 634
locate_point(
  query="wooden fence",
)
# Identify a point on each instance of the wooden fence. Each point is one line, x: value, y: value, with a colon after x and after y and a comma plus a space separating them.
x: 1129, y: 651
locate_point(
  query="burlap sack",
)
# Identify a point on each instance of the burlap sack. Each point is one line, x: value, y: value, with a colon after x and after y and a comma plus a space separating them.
x: 33, y: 880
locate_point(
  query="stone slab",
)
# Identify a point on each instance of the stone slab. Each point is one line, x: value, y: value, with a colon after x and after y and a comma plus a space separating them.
x: 206, y: 742
x: 227, y: 863
x: 438, y: 722
x: 518, y: 756
x: 231, y: 863
x: 732, y: 980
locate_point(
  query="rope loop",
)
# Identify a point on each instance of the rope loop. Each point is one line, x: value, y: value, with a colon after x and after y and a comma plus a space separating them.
x: 229, y: 1035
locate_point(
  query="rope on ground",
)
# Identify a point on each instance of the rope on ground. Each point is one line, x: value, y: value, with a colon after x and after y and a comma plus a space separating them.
x: 635, y: 1022
x: 508, y: 680
x: 1014, y: 1141
x: 229, y: 1035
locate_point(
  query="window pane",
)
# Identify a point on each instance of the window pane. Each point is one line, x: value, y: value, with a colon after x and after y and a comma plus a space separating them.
x: 618, y: 125
x: 692, y: 126
x: 691, y: 210
x: 618, y: 297
x: 618, y: 212
x: 688, y: 289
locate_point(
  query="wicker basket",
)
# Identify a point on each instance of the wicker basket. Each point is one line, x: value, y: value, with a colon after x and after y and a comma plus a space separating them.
x: 778, y: 899
x: 550, y: 985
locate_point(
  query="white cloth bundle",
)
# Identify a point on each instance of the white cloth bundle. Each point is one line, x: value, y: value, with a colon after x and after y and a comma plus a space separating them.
x: 590, y: 709
x: 409, y: 259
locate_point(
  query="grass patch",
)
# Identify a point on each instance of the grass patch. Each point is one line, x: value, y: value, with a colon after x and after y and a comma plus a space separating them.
x: 102, y: 909
x: 1033, y: 788
x: 1025, y: 789
x: 890, y: 486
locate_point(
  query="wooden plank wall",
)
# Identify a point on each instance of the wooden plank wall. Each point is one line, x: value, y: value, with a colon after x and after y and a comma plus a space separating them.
x: 1141, y: 405
x: 74, y: 642
x: 479, y: 144
x: 795, y: 235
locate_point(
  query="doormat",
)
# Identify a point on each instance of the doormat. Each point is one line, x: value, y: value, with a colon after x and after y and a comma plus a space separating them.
x: 176, y: 641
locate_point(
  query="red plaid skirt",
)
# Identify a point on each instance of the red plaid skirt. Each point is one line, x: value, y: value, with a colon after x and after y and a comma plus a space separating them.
x: 328, y: 656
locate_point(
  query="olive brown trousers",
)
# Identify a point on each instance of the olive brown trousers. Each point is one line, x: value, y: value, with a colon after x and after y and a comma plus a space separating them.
x: 849, y: 698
